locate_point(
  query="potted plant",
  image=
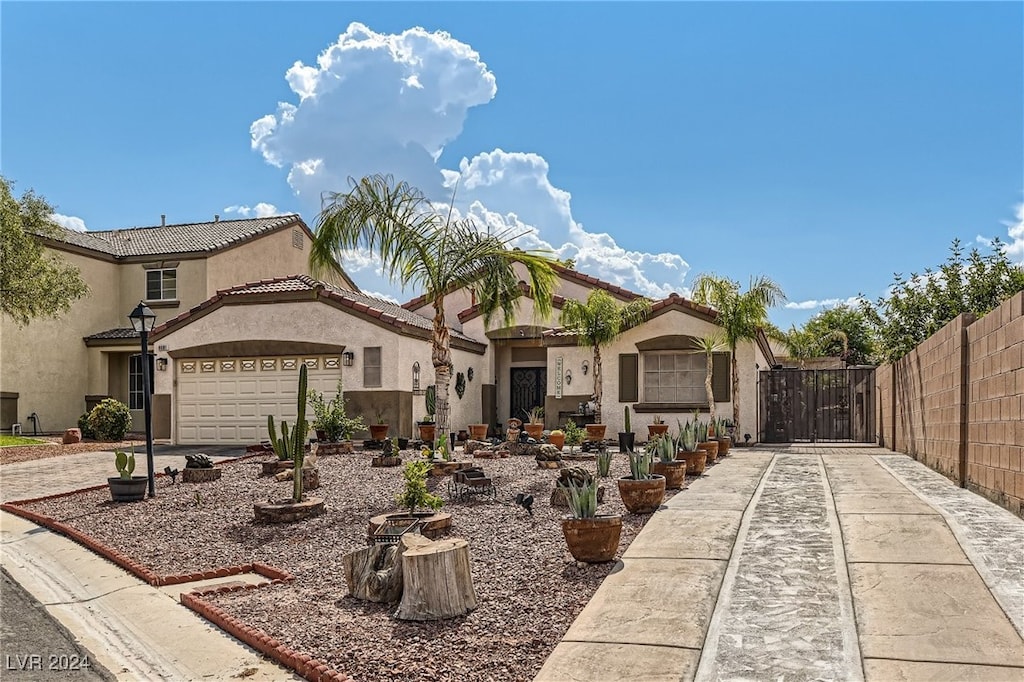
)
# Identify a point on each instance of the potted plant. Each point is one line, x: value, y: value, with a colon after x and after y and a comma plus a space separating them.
x: 199, y: 469
x: 641, y: 491
x: 534, y: 422
x: 656, y: 428
x: 379, y: 427
x: 333, y: 426
x: 695, y: 459
x: 626, y: 436
x: 704, y: 441
x: 573, y: 435
x: 389, y: 456
x: 124, y: 487
x: 723, y: 437
x: 590, y: 537
x: 427, y: 426
x: 674, y: 470
x: 557, y: 438
x: 604, y: 463
x: 478, y: 431
x: 416, y: 494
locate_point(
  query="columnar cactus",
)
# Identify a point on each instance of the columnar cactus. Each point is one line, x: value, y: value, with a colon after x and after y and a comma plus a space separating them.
x: 629, y: 426
x: 299, y: 434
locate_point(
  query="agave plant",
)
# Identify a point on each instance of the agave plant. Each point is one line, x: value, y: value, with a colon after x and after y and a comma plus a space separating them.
x: 687, y: 437
x: 583, y: 499
x: 664, y: 447
x: 604, y: 463
x: 640, y: 466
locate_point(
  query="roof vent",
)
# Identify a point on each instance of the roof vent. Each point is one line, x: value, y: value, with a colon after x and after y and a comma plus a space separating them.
x: 163, y: 220
x: 216, y: 218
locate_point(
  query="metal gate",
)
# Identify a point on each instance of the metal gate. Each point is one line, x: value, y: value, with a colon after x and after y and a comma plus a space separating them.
x: 816, y: 405
x: 528, y: 386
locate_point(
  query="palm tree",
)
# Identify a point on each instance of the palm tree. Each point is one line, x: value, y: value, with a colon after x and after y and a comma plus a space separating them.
x: 740, y: 315
x: 597, y: 323
x: 432, y: 251
x: 803, y: 345
x: 711, y: 345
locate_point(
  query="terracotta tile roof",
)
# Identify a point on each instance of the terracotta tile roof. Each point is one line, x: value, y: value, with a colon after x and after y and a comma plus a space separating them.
x: 385, y: 311
x: 171, y: 239
x: 119, y: 333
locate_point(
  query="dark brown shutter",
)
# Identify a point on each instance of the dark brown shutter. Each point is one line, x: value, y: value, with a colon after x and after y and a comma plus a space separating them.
x: 629, y: 384
x: 721, y: 377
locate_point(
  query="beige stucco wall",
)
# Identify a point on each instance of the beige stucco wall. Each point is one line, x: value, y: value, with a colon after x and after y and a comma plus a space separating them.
x: 191, y: 288
x: 47, y: 363
x: 272, y: 255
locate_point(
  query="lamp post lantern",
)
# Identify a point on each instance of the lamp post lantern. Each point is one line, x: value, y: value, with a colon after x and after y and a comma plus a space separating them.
x: 143, y: 319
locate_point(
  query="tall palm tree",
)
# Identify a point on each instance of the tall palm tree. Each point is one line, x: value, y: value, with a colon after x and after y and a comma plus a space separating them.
x: 803, y: 345
x: 435, y: 253
x: 740, y: 315
x: 710, y: 345
x: 597, y: 323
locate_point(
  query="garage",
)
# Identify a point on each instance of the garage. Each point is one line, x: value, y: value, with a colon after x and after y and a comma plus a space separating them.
x: 227, y: 400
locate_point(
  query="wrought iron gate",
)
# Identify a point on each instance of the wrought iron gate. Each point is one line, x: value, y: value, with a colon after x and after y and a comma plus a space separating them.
x: 817, y: 405
x: 528, y: 386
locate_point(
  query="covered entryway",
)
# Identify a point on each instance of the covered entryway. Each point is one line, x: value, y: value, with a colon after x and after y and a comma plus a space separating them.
x: 817, y: 405
x: 227, y: 400
x: 528, y: 388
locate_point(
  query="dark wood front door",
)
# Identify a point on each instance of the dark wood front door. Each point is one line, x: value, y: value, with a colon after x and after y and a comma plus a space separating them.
x: 528, y: 386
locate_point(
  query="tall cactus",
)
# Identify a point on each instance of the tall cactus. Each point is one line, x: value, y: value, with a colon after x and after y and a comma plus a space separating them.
x: 282, y: 445
x: 299, y: 434
x: 431, y: 400
x: 629, y: 425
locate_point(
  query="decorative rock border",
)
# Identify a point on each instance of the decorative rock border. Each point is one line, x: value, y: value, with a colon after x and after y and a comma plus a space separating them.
x: 286, y: 511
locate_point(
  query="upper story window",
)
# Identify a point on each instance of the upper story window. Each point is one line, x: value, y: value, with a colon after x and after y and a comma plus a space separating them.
x: 161, y: 285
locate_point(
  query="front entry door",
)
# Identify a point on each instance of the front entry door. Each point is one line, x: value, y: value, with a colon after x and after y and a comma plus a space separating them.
x: 529, y: 386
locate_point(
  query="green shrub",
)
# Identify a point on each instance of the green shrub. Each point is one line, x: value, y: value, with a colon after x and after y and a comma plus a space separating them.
x: 110, y: 420
x: 83, y: 426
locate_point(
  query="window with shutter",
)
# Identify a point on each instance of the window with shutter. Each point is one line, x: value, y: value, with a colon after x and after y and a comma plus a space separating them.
x: 721, y: 377
x: 629, y: 383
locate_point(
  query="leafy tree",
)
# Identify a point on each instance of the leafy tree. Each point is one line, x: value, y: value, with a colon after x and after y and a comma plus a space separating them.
x: 843, y: 331
x: 740, y: 315
x: 420, y: 246
x: 597, y: 323
x: 919, y: 306
x: 33, y: 282
x: 804, y: 344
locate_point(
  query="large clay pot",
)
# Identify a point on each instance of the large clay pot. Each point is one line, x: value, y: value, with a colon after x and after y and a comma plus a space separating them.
x: 655, y: 430
x: 378, y: 431
x: 557, y: 439
x: 710, y: 447
x: 593, y: 540
x: 427, y: 431
x: 127, y: 490
x: 695, y: 461
x: 724, y: 443
x: 478, y: 431
x: 596, y: 431
x: 644, y: 496
x: 674, y: 473
x: 536, y: 431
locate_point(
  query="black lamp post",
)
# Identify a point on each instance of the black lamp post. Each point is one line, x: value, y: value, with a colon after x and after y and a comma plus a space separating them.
x: 143, y: 319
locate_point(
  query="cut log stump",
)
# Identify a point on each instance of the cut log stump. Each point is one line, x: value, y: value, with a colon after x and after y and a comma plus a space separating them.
x: 375, y: 573
x: 437, y: 581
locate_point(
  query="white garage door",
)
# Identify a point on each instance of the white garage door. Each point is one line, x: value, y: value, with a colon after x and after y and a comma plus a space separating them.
x: 227, y: 400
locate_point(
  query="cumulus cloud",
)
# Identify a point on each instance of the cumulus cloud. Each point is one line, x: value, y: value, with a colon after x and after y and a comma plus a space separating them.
x: 1015, y: 230
x: 389, y: 103
x: 823, y: 303
x: 69, y: 221
x: 260, y: 210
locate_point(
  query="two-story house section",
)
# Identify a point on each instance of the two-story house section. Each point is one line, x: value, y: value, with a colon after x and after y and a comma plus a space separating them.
x: 57, y: 369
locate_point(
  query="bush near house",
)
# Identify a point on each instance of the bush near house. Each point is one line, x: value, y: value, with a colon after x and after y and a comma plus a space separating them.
x: 110, y: 420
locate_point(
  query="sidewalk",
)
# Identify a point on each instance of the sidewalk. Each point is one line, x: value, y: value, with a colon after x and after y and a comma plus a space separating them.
x: 810, y: 563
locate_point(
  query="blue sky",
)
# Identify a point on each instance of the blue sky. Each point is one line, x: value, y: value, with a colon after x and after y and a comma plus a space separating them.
x: 826, y: 145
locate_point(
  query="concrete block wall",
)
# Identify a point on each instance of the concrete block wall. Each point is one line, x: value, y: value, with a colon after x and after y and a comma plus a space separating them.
x: 995, y: 408
x: 956, y: 403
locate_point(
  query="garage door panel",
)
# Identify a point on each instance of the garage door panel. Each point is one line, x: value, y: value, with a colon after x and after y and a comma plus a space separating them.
x: 231, y: 404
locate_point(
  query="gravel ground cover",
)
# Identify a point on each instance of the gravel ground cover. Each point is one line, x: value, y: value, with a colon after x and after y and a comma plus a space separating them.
x: 528, y: 586
x: 54, y: 448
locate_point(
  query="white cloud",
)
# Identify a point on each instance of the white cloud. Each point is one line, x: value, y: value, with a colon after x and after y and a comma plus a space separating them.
x: 260, y: 210
x: 389, y: 103
x: 1015, y: 230
x: 69, y: 221
x: 383, y: 297
x: 823, y: 303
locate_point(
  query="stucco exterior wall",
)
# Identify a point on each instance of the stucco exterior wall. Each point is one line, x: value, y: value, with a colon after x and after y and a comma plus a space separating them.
x: 190, y: 288
x: 46, y: 362
x: 272, y: 255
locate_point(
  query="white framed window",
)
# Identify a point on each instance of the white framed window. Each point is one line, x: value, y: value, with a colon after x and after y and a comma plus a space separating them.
x: 674, y: 377
x: 136, y: 396
x: 161, y: 285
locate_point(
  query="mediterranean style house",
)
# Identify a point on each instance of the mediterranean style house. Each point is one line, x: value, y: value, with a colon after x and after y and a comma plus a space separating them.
x: 238, y: 312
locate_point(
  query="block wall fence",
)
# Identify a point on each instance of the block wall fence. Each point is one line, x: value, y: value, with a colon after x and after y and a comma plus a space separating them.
x: 956, y: 403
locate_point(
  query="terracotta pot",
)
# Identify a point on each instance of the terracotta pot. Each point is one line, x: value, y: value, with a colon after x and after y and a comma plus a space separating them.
x: 724, y: 443
x: 710, y: 447
x: 427, y: 432
x: 593, y: 540
x: 642, y: 497
x: 695, y: 461
x: 378, y: 431
x: 674, y: 473
x: 478, y: 431
x: 656, y: 430
x: 557, y: 439
x: 536, y: 431
x: 596, y: 431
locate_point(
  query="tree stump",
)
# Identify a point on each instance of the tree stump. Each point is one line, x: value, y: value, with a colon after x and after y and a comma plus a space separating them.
x: 438, y: 582
x: 375, y: 573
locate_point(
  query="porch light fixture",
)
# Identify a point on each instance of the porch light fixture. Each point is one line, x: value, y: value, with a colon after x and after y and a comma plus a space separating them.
x: 143, y: 320
x: 586, y: 367
x: 568, y: 376
x: 347, y: 358
x: 161, y: 364
x: 415, y: 376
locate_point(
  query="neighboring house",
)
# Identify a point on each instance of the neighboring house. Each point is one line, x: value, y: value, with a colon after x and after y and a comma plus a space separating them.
x: 226, y: 354
x: 57, y: 369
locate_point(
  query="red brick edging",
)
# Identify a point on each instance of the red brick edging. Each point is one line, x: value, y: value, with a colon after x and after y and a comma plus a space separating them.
x: 309, y: 668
